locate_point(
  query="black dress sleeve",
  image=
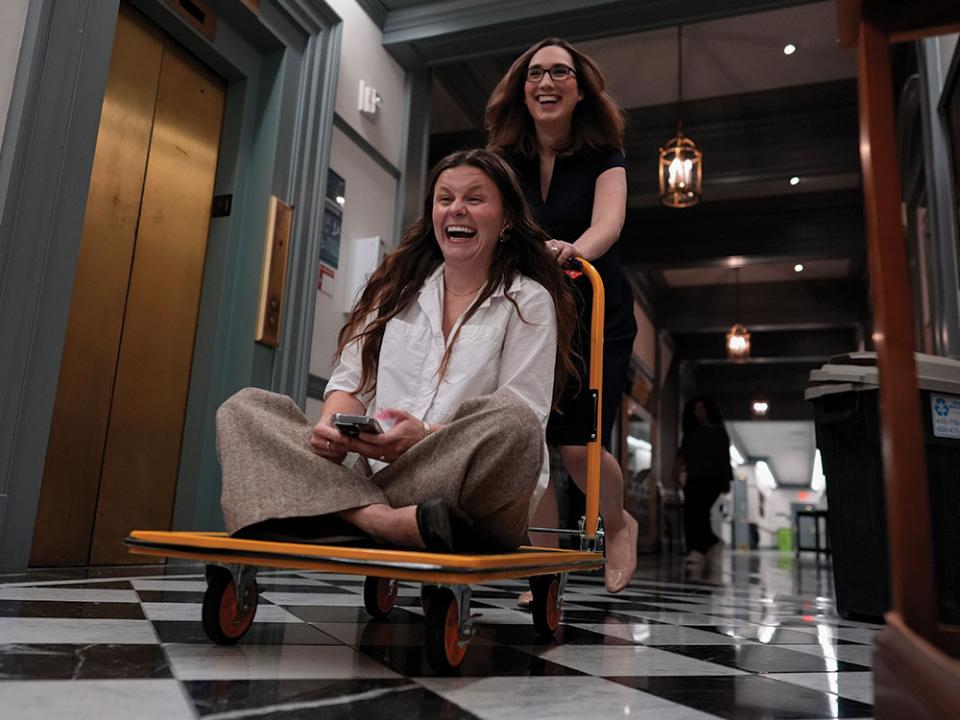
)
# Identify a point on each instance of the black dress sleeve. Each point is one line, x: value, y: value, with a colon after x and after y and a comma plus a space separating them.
x: 611, y: 159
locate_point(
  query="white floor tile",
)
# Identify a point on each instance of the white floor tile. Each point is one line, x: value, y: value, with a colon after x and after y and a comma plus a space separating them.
x: 253, y: 662
x: 852, y: 685
x: 94, y: 700
x: 67, y: 594
x: 71, y: 631
x: 860, y: 654
x: 160, y: 611
x: 625, y: 660
x: 307, y: 598
x: 645, y: 634
x: 171, y: 585
x: 554, y: 698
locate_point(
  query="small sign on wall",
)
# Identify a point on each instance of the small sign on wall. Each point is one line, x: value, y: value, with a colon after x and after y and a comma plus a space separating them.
x: 945, y: 413
x: 325, y: 282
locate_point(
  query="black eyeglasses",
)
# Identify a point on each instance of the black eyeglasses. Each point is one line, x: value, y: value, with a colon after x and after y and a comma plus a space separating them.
x: 557, y: 73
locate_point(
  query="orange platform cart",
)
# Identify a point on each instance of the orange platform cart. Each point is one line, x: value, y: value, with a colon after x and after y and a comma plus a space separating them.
x: 230, y: 600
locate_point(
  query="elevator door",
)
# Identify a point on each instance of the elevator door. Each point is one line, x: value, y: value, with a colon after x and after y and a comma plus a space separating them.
x: 114, y: 446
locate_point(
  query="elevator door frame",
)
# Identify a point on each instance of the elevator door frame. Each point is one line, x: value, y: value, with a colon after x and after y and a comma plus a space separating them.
x: 281, y: 68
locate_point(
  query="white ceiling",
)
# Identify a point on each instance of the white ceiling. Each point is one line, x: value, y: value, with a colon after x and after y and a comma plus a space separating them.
x: 788, y: 447
x: 770, y: 272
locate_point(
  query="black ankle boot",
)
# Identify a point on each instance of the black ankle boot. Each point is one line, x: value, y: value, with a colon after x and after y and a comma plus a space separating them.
x: 443, y: 528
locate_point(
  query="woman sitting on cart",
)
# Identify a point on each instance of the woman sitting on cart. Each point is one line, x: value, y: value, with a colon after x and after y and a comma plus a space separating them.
x: 458, y: 345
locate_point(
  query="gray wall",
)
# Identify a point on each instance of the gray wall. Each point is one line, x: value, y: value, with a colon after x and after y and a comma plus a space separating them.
x: 13, y: 13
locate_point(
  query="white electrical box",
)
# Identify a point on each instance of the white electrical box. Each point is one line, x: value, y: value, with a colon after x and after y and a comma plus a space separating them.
x: 363, y: 257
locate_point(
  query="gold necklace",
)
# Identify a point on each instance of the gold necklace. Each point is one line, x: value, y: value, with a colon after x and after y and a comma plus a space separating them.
x: 457, y: 294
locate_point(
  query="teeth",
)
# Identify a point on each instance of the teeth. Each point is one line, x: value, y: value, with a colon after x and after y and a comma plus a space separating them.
x: 460, y: 231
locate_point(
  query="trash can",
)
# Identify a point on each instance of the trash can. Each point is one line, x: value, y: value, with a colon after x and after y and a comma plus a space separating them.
x: 785, y: 540
x: 845, y: 396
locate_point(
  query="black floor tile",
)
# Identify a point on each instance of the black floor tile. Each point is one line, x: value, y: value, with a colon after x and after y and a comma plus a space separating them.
x: 480, y: 661
x: 69, y: 609
x: 748, y: 697
x: 82, y: 662
x: 170, y: 596
x: 327, y: 699
x: 526, y: 635
x: 325, y: 614
x: 779, y: 636
x: 761, y: 658
x: 258, y: 634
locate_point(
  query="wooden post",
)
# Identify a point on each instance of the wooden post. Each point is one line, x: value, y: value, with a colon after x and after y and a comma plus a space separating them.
x: 904, y: 461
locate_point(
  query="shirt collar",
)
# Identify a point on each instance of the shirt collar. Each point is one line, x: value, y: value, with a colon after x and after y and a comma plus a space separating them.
x: 435, y: 281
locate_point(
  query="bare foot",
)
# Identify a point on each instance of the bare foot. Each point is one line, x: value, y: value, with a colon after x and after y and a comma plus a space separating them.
x: 621, y: 547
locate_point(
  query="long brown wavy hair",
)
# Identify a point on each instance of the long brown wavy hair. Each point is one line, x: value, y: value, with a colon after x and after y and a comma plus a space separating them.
x: 597, y: 122
x: 397, y: 282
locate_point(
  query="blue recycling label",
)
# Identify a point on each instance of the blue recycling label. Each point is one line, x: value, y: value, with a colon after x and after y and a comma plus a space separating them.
x: 945, y: 412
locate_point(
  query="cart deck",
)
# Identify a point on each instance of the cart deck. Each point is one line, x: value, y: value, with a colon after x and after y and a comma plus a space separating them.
x: 413, y: 565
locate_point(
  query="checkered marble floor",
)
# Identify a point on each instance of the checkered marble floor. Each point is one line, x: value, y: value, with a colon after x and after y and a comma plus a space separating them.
x: 759, y: 640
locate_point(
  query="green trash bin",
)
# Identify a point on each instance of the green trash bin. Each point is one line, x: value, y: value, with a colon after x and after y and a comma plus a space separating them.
x: 844, y: 393
x: 785, y: 540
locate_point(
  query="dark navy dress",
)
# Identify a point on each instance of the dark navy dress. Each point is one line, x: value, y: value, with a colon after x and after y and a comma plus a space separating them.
x: 566, y: 215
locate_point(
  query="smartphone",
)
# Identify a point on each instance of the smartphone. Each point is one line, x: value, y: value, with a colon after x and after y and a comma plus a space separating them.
x: 353, y: 425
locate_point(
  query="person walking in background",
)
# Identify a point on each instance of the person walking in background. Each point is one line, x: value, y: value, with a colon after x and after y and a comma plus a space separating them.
x: 552, y: 119
x: 704, y: 460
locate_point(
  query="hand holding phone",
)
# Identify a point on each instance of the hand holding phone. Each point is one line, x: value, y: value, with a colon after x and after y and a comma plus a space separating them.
x: 353, y: 425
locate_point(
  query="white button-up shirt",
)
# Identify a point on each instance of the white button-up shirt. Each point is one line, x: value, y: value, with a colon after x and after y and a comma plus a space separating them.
x: 495, y: 351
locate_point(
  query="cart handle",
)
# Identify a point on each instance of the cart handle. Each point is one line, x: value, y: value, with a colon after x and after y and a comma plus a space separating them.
x: 594, y: 448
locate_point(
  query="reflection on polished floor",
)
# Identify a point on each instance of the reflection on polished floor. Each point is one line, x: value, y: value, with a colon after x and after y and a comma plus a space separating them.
x: 760, y: 639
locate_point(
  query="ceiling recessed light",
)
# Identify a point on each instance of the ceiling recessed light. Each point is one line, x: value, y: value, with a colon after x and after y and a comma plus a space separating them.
x: 789, y: 49
x: 760, y: 408
x: 798, y: 268
x: 794, y: 180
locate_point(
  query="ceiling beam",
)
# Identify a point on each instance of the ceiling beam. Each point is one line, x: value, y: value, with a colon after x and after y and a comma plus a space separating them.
x: 754, y: 141
x: 801, y: 305
x: 797, y: 227
x: 445, y: 31
x: 776, y: 346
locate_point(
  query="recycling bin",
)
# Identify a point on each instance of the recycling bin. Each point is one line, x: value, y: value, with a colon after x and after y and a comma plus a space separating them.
x: 845, y: 396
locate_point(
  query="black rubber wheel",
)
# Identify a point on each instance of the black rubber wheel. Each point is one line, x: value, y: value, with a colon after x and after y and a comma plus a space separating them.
x: 223, y: 620
x: 441, y: 641
x: 546, y: 609
x: 379, y: 596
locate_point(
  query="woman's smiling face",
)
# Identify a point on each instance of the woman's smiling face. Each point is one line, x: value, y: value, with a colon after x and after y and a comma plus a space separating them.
x: 550, y: 100
x: 467, y: 216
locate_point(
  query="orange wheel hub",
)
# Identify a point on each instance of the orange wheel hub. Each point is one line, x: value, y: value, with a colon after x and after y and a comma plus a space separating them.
x: 454, y: 649
x: 234, y: 622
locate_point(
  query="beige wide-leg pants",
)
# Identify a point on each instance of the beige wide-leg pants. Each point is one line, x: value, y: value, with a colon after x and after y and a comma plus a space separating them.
x: 486, y: 462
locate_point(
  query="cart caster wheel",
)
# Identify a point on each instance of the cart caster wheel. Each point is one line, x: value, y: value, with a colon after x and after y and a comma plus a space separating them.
x: 426, y: 593
x: 444, y: 647
x: 546, y: 606
x: 379, y: 596
x: 224, y: 620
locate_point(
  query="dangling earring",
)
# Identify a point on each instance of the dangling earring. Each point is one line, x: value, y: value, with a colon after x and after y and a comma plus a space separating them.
x: 503, y: 233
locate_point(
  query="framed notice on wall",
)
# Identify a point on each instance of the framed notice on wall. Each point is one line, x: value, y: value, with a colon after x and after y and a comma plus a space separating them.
x: 950, y: 112
x: 332, y: 220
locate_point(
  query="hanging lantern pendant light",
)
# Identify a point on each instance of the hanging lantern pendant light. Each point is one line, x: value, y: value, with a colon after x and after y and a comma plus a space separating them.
x: 681, y: 162
x: 738, y: 339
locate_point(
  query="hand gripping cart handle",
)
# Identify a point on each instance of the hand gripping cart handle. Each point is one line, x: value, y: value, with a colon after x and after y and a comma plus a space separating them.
x: 230, y: 600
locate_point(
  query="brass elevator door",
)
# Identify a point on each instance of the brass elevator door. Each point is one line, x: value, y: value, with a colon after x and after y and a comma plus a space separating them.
x: 114, y: 447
